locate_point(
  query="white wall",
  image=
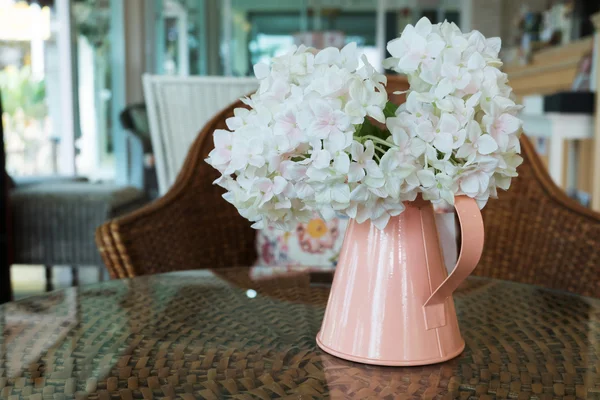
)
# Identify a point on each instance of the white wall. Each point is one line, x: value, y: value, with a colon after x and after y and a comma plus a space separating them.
x: 486, y: 17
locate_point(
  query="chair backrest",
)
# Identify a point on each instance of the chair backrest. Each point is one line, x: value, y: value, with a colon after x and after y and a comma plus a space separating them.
x: 535, y: 233
x: 178, y: 107
x: 191, y: 226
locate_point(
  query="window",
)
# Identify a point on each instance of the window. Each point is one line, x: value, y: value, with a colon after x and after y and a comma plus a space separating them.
x: 30, y: 86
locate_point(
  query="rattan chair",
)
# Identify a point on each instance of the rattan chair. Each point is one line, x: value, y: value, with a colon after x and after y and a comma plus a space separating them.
x: 190, y: 227
x: 534, y: 232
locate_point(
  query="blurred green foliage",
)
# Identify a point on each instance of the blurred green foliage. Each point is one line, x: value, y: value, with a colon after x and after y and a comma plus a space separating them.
x: 21, y: 92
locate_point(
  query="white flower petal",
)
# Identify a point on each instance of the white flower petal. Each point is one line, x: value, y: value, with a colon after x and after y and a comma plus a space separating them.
x: 317, y: 175
x: 349, y: 56
x: 341, y: 163
x: 382, y: 221
x: 425, y: 131
x: 279, y: 184
x: 363, y: 214
x: 448, y: 196
x: 327, y: 213
x: 340, y: 193
x: 351, y: 211
x: 354, y: 108
x: 509, y: 123
x: 470, y: 185
x: 376, y: 113
x: 356, y: 150
x: 393, y: 187
x: 222, y: 138
x: 329, y: 55
x: 448, y: 123
x: 337, y: 141
x: 395, y: 208
x: 476, y: 62
x: 434, y: 48
x: 322, y: 159
x: 258, y: 225
x: 408, y: 63
x: 473, y: 131
x: 379, y: 191
x: 369, y: 151
x: 355, y: 173
x: 417, y: 147
x: 423, y: 27
x: 493, y: 46
x: 426, y: 177
x: 396, y: 48
x: 360, y: 194
x: 444, y: 88
x: 443, y: 142
x: 465, y: 151
x: 390, y: 62
x: 303, y: 190
x: 261, y: 70
x: 486, y: 144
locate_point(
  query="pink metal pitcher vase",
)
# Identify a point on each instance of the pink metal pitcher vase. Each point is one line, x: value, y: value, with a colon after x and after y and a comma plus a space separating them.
x: 391, y: 299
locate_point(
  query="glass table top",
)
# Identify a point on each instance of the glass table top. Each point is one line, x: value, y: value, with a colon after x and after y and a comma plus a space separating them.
x: 246, y: 334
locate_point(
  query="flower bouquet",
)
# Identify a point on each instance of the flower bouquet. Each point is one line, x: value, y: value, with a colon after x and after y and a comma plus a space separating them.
x: 321, y: 136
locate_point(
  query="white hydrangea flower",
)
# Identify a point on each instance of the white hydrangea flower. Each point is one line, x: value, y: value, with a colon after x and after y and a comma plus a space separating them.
x: 290, y: 154
x: 460, y: 105
x: 313, y: 138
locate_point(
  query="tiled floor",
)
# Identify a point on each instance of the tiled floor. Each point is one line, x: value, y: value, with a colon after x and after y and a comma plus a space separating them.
x: 28, y: 280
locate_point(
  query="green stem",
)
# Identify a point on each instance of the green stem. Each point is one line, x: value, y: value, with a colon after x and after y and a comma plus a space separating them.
x: 453, y: 160
x: 375, y: 139
x: 379, y: 149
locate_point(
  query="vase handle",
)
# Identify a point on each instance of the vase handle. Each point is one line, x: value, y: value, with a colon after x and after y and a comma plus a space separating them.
x: 471, y: 247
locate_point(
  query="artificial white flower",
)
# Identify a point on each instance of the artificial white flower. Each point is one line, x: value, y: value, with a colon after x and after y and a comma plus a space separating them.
x: 220, y: 156
x: 477, y: 143
x: 501, y: 125
x: 460, y: 105
x: 290, y: 153
x: 361, y: 156
x: 449, y: 135
x: 365, y: 101
x: 286, y: 125
x: 413, y: 48
x: 269, y: 188
x: 443, y: 188
x: 308, y: 142
x: 396, y: 168
x: 383, y: 209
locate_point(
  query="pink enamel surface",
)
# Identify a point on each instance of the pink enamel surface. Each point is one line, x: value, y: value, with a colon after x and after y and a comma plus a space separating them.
x: 376, y: 310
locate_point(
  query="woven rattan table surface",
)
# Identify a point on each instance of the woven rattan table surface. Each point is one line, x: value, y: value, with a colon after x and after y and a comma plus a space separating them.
x: 203, y: 334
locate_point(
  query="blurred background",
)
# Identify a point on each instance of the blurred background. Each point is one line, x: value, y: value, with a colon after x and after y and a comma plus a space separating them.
x: 75, y: 108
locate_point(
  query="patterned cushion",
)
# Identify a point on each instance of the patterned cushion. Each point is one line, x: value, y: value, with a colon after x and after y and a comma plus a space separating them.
x: 314, y: 244
x: 317, y: 244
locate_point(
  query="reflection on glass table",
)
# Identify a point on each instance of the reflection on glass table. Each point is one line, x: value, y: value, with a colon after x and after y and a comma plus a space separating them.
x: 222, y: 334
